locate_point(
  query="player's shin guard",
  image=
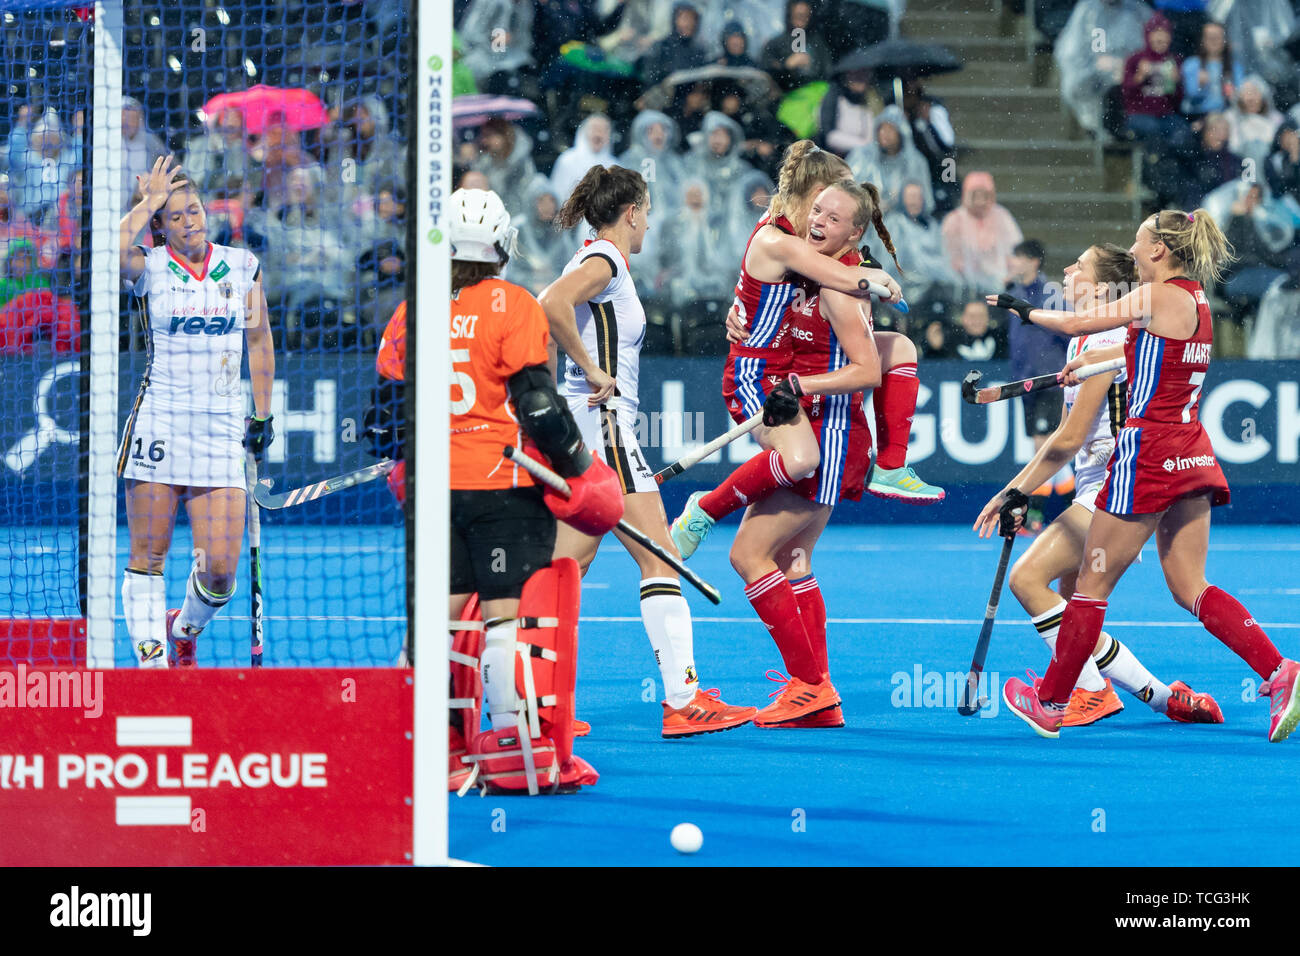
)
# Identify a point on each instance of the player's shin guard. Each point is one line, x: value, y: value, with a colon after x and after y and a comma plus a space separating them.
x: 201, y: 605
x: 1080, y: 628
x: 1225, y: 618
x: 536, y: 755
x: 144, y: 603
x: 466, y: 698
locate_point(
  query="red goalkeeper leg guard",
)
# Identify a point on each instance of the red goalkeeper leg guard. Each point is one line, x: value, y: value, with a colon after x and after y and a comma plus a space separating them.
x: 895, y: 406
x: 1225, y: 618
x: 752, y: 481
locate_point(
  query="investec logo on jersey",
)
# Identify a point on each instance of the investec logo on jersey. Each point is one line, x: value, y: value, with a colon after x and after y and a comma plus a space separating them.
x: 1197, y: 353
x: 1182, y: 464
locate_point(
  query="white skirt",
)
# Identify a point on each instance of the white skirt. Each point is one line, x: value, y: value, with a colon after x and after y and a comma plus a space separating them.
x: 196, y: 449
x: 611, y: 434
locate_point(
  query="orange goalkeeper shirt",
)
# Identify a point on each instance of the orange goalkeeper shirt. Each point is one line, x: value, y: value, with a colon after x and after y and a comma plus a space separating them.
x: 391, y: 362
x: 496, y: 330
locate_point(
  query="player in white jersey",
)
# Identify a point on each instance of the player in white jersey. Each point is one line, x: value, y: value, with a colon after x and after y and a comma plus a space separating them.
x: 186, y: 437
x: 596, y: 318
x: 1094, y: 411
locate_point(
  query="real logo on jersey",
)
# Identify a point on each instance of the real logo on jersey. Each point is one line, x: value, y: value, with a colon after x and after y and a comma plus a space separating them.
x: 1197, y: 353
x: 198, y: 325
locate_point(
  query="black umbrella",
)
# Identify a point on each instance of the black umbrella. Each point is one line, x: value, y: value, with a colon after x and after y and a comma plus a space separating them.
x: 901, y: 58
x: 755, y: 84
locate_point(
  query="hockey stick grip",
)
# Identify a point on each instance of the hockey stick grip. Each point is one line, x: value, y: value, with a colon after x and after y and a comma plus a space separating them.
x: 971, y: 703
x: 881, y: 293
x: 552, y: 480
x: 692, y: 459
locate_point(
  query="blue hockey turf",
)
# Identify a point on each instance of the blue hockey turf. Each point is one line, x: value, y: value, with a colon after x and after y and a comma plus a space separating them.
x: 908, y: 781
x: 909, y: 784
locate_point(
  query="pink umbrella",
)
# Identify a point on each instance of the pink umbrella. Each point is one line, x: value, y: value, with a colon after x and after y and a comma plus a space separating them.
x: 301, y: 109
x: 475, y: 109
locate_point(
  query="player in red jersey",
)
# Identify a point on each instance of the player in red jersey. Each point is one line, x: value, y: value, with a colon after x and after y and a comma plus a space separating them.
x: 772, y: 278
x: 1163, y: 477
x: 834, y: 359
x: 1093, y: 414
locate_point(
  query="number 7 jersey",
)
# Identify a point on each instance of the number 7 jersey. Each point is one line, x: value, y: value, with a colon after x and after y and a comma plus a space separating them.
x: 497, y: 329
x: 1165, y: 375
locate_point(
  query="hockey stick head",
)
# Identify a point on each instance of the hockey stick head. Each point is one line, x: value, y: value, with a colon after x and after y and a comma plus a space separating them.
x: 970, y: 385
x: 971, y: 703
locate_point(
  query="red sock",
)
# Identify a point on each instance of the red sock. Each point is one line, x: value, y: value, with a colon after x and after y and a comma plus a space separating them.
x: 895, y: 404
x: 1080, y: 628
x: 1225, y: 618
x: 755, y: 479
x: 813, y: 611
x: 775, y: 603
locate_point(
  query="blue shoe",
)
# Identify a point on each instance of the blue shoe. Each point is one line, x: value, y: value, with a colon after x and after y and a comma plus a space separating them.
x: 902, y: 484
x: 691, y: 527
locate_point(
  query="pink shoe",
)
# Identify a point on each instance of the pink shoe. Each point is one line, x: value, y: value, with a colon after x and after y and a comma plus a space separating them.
x: 1284, y: 710
x: 180, y: 650
x: 1023, y: 700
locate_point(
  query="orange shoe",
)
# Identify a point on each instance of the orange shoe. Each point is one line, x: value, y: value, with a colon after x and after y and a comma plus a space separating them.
x: 1089, y: 706
x: 580, y: 727
x: 706, y: 714
x: 797, y: 699
x: 831, y: 717
x: 1188, y: 707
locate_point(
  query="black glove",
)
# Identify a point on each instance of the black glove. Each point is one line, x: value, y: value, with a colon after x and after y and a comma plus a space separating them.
x: 781, y: 406
x: 1014, y: 503
x: 258, y: 435
x: 1018, y: 306
x: 384, y: 424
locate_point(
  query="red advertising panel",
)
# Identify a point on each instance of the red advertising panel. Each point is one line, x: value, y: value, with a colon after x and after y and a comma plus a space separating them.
x: 205, y: 767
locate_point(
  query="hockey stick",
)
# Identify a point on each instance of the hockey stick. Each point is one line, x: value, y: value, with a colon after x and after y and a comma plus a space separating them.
x: 694, y: 458
x: 551, y: 479
x: 262, y: 491
x: 254, y: 558
x: 971, y: 701
x: 972, y: 393
x: 881, y: 293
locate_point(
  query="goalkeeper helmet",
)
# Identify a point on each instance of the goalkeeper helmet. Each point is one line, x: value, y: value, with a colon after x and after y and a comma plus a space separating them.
x: 480, y: 227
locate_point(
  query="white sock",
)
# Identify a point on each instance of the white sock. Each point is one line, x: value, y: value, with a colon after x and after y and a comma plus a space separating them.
x: 1049, y: 626
x: 667, y: 620
x: 497, y: 665
x: 200, y: 606
x: 1119, y: 664
x: 144, y: 604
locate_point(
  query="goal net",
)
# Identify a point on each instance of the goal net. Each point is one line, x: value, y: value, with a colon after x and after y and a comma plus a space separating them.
x: 290, y: 120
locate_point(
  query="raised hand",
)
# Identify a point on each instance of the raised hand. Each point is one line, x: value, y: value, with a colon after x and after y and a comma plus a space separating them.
x: 155, y: 187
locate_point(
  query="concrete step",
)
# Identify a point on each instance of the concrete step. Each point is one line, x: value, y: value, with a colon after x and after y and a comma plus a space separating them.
x: 937, y: 26
x: 970, y: 49
x: 1015, y: 120
x: 1088, y: 207
x: 982, y: 73
x: 979, y: 151
x: 1067, y: 236
x: 976, y: 7
x: 1049, y: 179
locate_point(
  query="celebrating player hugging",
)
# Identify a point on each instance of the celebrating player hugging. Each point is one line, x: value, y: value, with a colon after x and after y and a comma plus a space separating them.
x: 186, y: 437
x: 1163, y: 477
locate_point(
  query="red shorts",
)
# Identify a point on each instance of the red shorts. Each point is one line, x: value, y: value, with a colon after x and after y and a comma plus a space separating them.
x: 1156, y: 464
x: 844, y: 438
x: 749, y: 375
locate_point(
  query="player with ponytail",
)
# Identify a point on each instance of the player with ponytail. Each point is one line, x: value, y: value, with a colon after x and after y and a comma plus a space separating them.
x: 596, y: 317
x: 1163, y: 477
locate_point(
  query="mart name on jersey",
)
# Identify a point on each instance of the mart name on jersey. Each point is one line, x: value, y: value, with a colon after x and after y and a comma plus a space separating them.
x: 1197, y: 353
x: 199, y: 325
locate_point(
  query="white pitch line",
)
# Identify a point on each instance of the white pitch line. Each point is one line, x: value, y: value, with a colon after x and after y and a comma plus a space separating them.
x: 917, y: 621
